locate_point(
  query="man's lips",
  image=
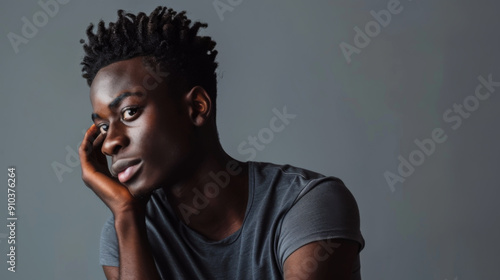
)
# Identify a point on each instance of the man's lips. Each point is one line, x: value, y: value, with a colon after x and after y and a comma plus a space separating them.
x: 125, y: 169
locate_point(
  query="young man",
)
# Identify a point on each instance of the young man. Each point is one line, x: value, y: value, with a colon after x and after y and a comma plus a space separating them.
x: 183, y: 208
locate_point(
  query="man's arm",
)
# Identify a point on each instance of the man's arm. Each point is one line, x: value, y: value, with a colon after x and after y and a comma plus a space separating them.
x: 111, y: 272
x: 136, y: 259
x: 320, y: 260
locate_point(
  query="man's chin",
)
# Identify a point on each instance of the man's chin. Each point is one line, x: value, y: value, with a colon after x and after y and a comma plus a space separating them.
x: 141, y: 192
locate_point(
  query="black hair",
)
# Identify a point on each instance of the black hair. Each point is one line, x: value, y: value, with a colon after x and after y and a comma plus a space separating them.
x: 165, y: 37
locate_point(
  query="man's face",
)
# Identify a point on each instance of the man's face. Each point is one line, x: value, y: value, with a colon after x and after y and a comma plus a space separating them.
x: 147, y: 129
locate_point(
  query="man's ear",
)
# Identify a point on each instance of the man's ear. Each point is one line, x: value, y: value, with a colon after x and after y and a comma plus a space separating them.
x: 199, y: 105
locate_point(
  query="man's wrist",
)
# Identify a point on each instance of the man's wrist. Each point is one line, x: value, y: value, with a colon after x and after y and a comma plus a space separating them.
x: 129, y: 216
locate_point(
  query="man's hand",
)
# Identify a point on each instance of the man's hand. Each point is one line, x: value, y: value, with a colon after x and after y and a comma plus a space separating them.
x: 136, y: 259
x: 96, y: 175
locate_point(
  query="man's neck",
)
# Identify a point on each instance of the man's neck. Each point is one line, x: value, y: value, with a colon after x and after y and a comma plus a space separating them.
x: 213, y: 200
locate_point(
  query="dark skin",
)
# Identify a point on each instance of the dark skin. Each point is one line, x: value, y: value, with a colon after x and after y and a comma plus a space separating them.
x: 166, y: 137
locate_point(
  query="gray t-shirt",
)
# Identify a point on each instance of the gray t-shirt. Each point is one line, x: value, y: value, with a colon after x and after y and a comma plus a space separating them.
x: 287, y: 208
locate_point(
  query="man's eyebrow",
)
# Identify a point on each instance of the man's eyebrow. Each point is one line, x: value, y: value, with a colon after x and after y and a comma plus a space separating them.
x: 116, y: 102
x: 95, y: 116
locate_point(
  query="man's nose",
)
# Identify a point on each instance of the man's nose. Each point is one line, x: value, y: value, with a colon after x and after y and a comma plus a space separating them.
x: 115, y: 140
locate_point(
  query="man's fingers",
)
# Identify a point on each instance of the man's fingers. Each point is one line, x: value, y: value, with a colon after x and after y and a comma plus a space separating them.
x: 95, y: 171
x: 93, y: 129
x: 98, y: 141
x: 89, y: 140
x: 85, y: 147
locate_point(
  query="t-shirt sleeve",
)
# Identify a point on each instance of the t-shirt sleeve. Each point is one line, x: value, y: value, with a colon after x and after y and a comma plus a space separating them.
x: 328, y: 210
x: 109, y: 252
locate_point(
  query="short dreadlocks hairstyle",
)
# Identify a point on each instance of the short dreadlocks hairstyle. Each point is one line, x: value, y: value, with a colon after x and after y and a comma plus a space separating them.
x: 165, y: 38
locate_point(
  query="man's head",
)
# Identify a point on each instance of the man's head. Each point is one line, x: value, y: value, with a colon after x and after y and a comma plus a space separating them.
x: 167, y: 40
x: 156, y: 127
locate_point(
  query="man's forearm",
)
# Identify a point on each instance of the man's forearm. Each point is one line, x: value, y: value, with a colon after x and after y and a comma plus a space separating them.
x: 136, y: 258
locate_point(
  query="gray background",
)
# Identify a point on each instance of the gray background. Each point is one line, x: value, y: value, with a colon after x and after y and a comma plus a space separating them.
x: 353, y: 121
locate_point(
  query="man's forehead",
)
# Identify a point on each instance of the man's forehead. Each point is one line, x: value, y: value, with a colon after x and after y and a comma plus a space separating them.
x: 117, y: 77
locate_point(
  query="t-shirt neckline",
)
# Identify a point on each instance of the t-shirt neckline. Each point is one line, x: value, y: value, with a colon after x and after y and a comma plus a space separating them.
x: 197, y: 237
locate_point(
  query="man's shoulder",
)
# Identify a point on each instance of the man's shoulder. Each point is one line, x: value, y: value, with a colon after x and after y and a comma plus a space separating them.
x: 296, y: 181
x: 269, y: 168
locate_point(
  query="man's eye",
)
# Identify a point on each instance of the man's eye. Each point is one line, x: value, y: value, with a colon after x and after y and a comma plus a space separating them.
x: 103, y: 128
x: 128, y: 114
